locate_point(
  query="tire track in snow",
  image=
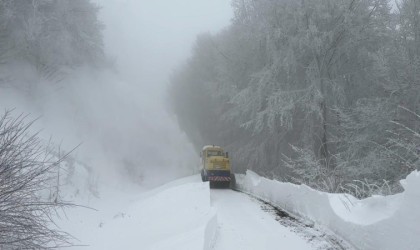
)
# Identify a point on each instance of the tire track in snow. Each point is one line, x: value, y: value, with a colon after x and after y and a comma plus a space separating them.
x: 242, y: 224
x: 317, y: 237
x: 245, y: 222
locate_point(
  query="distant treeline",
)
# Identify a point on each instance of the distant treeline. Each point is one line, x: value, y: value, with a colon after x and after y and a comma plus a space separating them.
x: 50, y: 35
x: 322, y: 92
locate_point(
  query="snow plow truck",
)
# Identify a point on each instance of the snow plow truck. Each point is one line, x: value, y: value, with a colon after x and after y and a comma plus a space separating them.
x: 216, y: 167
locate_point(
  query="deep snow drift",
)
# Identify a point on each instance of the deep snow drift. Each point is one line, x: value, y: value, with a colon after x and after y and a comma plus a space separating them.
x: 181, y: 215
x: 390, y: 222
x: 177, y: 215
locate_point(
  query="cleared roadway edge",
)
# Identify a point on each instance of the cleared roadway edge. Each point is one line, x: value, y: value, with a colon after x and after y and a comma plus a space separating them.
x: 320, y: 237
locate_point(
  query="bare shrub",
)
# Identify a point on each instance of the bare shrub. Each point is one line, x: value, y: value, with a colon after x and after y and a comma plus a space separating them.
x: 25, y: 171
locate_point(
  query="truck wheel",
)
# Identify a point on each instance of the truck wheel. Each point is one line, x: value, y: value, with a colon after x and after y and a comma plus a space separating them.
x: 202, y: 175
x: 232, y: 183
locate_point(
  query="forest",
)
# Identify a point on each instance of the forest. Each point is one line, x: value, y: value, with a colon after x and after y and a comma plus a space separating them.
x: 49, y: 38
x: 320, y: 92
x: 41, y: 42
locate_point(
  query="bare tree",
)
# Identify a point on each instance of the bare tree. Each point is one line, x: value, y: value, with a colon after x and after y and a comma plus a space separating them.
x: 25, y: 171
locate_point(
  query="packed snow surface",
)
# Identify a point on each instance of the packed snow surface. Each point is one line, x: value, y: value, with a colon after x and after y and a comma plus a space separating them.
x: 379, y: 222
x: 181, y: 215
x: 187, y: 214
x: 174, y: 216
x: 243, y: 225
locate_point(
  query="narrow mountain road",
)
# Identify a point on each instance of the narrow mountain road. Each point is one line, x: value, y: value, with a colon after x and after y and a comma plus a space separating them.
x: 247, y: 223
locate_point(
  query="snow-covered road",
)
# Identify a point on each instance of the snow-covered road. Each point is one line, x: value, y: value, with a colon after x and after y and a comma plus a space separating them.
x: 242, y: 224
x: 183, y: 215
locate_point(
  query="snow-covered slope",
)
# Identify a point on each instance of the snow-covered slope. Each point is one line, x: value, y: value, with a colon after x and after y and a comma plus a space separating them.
x: 391, y: 222
x: 181, y: 215
x: 175, y: 216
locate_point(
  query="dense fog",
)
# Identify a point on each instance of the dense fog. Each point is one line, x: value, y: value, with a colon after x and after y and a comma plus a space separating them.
x: 103, y: 100
x: 115, y: 107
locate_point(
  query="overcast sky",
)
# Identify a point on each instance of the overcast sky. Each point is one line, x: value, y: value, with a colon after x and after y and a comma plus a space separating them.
x: 149, y: 38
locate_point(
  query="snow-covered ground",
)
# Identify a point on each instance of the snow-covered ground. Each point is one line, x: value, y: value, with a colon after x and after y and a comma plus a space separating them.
x: 242, y: 224
x: 174, y: 216
x: 187, y: 214
x: 379, y: 222
x: 183, y: 214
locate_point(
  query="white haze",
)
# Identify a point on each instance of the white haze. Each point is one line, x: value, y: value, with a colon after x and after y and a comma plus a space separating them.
x: 120, y: 116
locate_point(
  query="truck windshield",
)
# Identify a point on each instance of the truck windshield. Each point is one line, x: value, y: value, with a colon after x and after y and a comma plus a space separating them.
x: 214, y: 153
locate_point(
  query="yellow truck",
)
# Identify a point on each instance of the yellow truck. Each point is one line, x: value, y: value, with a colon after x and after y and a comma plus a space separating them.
x: 216, y: 167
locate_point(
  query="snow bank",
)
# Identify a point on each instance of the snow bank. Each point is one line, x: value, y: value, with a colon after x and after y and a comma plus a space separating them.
x: 210, y: 232
x: 379, y: 222
x: 175, y: 216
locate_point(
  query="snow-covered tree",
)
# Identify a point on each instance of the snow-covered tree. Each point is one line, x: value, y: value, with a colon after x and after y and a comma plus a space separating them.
x: 317, y: 83
x: 51, y: 35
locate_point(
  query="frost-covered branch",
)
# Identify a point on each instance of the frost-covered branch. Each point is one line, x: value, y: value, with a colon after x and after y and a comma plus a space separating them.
x: 25, y: 171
